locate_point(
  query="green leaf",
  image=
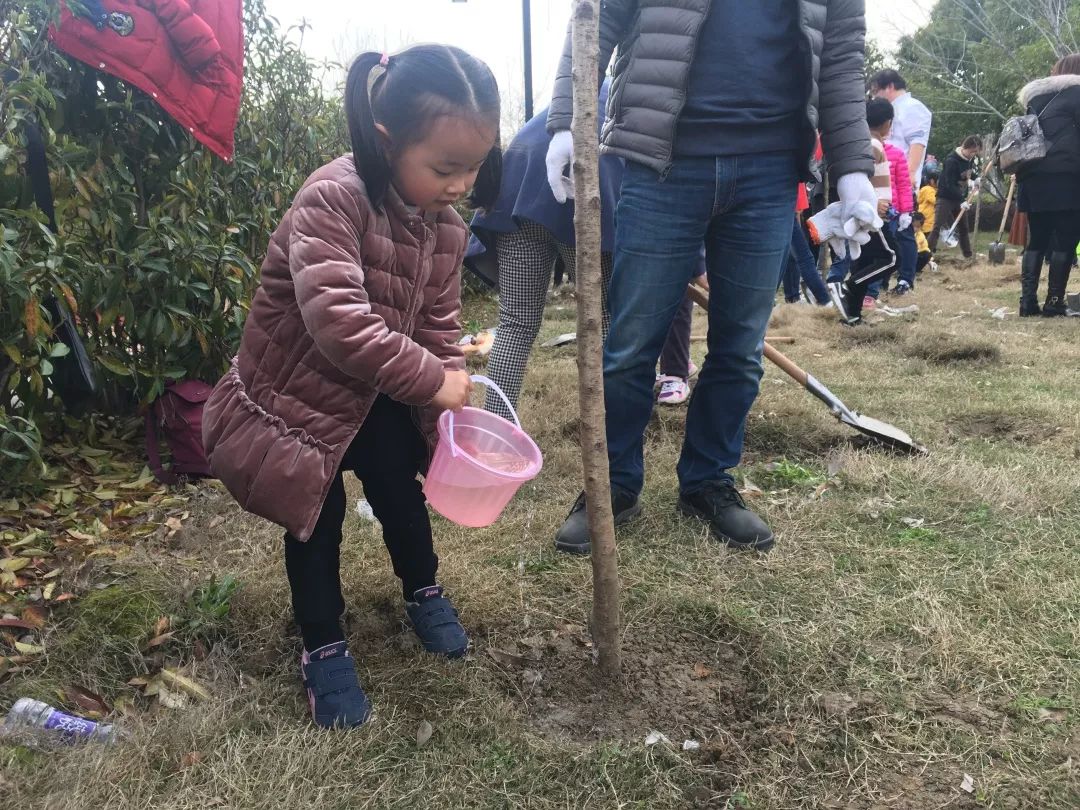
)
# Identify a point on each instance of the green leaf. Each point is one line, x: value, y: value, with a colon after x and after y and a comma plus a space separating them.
x: 46, y: 368
x: 115, y: 366
x: 59, y: 350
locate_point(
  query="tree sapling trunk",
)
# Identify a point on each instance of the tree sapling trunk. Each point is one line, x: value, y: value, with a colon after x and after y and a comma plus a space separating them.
x: 586, y: 169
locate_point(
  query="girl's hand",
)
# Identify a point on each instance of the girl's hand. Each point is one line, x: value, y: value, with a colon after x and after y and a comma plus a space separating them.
x: 883, y: 207
x: 454, y: 394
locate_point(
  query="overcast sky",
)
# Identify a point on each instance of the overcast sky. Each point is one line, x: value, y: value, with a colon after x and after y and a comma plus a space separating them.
x: 491, y: 30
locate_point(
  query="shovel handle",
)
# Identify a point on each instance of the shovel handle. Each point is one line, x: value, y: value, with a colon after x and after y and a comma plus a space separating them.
x: 701, y: 298
x: 1008, y: 205
x: 787, y: 366
x: 699, y: 295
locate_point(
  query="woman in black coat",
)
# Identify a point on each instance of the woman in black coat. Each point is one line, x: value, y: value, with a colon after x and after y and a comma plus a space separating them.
x: 1050, y: 188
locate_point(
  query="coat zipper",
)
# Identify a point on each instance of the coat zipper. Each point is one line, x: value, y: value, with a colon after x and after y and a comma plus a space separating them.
x: 686, y: 89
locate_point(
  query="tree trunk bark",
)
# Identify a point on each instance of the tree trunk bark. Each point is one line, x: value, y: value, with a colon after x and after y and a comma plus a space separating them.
x: 605, y: 614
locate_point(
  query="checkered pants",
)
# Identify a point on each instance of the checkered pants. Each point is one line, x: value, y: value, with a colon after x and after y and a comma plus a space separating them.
x: 526, y: 260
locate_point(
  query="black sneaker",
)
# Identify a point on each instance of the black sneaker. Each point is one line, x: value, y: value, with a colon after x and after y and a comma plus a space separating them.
x: 721, y: 506
x: 573, y: 535
x: 836, y: 294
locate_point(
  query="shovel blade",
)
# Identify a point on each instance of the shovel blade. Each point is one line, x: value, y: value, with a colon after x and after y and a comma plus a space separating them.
x: 882, y: 431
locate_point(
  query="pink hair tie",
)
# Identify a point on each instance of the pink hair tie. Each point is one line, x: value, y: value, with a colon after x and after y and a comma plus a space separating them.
x: 385, y: 60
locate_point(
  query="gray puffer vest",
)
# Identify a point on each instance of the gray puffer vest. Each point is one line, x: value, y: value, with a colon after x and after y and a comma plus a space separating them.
x: 657, y: 40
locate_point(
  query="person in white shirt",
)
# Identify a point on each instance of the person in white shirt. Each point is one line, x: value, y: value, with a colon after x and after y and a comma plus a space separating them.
x: 910, y: 133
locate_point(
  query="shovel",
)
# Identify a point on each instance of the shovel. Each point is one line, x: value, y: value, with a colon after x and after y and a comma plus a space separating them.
x: 948, y: 235
x: 997, y: 247
x: 883, y: 432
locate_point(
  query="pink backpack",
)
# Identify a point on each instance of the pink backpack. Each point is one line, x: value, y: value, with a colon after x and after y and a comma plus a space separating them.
x: 176, y: 416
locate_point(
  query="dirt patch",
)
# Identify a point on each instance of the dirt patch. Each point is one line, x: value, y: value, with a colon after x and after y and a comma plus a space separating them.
x: 871, y: 334
x: 945, y: 349
x: 1000, y: 426
x: 683, y: 686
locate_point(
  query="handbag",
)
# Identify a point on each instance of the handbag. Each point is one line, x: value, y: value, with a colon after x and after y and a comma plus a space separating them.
x: 177, y: 417
x: 1023, y: 142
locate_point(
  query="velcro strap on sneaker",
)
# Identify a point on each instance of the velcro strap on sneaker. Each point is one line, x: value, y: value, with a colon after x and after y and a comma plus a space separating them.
x: 331, y: 675
x: 434, y: 613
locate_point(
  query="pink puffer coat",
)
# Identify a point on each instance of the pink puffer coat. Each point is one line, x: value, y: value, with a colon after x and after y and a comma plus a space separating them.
x: 353, y: 303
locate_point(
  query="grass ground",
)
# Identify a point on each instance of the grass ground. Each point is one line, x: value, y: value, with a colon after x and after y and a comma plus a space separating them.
x: 918, y: 621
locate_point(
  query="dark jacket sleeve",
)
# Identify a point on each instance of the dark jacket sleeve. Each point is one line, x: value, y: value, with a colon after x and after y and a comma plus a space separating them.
x: 615, y: 17
x: 845, y: 136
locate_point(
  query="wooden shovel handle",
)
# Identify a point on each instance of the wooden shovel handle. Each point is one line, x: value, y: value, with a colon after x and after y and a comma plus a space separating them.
x: 1008, y: 205
x: 786, y: 365
x: 699, y: 295
x: 701, y: 298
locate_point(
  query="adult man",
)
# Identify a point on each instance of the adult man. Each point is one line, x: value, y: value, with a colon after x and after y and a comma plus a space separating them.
x: 910, y: 133
x: 714, y: 106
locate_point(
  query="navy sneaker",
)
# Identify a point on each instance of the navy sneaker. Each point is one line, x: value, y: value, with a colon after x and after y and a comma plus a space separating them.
x: 333, y: 690
x: 436, y: 622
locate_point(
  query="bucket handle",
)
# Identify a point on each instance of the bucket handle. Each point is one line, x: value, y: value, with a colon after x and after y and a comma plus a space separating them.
x: 490, y: 383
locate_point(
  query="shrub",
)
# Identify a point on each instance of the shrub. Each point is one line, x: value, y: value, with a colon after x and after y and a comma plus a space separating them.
x: 159, y: 241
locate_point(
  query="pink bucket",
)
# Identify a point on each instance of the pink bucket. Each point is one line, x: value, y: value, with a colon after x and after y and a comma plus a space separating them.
x: 479, y: 464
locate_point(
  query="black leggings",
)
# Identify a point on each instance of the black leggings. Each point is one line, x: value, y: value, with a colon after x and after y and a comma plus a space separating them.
x: 386, y: 455
x: 1054, y: 231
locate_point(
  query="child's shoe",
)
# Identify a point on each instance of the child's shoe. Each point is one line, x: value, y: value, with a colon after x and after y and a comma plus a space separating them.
x: 869, y: 302
x: 901, y: 288
x: 333, y: 690
x: 837, y: 292
x: 436, y: 623
x: 673, y: 391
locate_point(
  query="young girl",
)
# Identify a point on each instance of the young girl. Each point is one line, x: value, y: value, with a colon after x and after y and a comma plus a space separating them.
x: 349, y: 351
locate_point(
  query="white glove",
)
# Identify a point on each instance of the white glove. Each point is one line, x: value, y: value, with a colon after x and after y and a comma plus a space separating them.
x: 964, y: 206
x: 904, y: 222
x: 560, y: 153
x: 827, y: 226
x: 859, y: 212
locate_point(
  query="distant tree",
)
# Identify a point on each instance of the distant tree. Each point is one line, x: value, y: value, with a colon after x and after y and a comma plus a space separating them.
x: 972, y: 56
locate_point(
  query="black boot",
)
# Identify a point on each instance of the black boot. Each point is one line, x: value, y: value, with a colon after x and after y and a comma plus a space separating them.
x: 721, y: 506
x: 1030, y: 270
x: 573, y: 535
x: 1057, y: 280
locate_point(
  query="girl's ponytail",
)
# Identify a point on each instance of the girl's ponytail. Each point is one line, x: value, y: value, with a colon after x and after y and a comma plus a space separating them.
x: 369, y: 154
x: 488, y: 180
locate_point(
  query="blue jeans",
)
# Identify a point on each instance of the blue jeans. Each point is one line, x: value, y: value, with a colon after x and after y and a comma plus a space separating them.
x: 909, y: 254
x: 801, y: 264
x: 839, y: 269
x: 742, y: 209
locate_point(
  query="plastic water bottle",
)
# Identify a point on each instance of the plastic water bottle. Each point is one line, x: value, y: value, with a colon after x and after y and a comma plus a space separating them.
x: 28, y: 713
